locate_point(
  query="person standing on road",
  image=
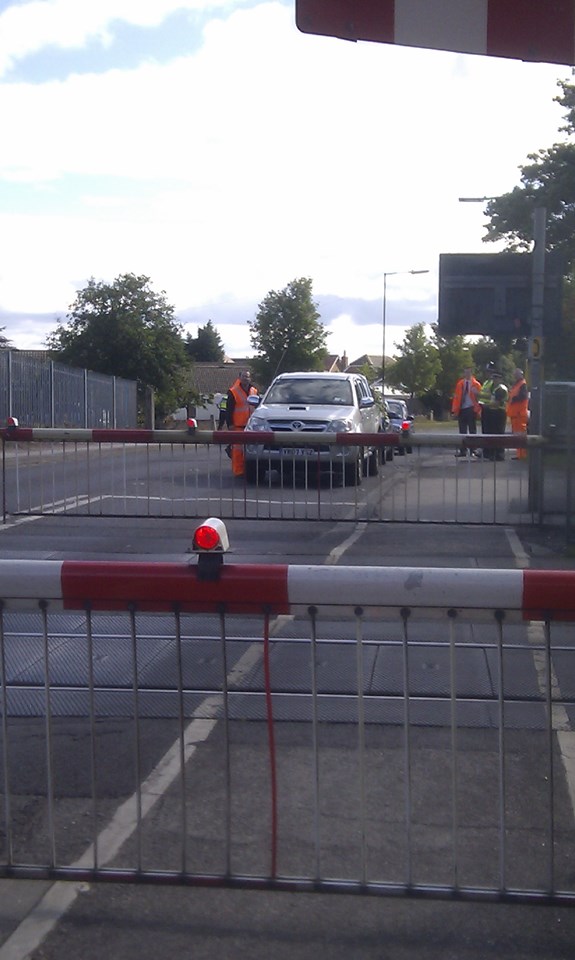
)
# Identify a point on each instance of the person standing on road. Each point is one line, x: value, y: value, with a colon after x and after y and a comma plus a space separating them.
x: 222, y: 407
x: 238, y: 413
x: 465, y: 405
x: 517, y: 409
x: 493, y: 399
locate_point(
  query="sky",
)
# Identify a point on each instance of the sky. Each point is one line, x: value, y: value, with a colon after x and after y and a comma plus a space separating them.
x: 212, y: 147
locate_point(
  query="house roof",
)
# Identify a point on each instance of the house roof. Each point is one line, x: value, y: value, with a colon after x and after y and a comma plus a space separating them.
x: 366, y: 360
x: 209, y: 378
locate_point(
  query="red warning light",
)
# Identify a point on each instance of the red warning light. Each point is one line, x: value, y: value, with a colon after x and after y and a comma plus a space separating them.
x: 206, y: 538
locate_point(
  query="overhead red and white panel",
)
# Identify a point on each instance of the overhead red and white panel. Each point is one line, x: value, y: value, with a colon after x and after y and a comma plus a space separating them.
x: 540, y: 30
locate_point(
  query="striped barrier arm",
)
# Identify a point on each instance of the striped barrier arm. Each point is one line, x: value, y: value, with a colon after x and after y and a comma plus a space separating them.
x: 384, y: 592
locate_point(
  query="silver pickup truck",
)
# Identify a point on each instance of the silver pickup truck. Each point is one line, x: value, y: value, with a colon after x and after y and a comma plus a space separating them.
x: 313, y: 404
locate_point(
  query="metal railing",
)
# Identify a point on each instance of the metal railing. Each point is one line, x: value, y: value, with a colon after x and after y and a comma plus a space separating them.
x: 165, y: 473
x: 385, y: 731
x: 44, y: 393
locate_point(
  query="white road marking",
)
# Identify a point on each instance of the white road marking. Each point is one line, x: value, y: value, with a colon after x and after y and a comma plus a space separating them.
x: 335, y: 555
x: 522, y: 558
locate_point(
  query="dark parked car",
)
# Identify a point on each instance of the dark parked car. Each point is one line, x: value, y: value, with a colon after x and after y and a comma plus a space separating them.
x: 401, y: 422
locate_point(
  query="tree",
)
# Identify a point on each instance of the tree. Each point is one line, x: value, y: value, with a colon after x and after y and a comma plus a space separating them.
x: 418, y: 364
x: 207, y: 347
x: 549, y: 181
x: 5, y: 343
x: 124, y: 329
x: 286, y: 332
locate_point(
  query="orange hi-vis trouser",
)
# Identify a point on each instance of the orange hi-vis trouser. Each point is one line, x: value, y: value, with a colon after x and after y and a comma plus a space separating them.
x: 519, y: 425
x: 238, y: 459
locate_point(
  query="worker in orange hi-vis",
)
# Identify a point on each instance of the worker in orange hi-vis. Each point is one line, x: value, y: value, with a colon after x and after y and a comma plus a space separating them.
x: 517, y: 408
x: 238, y: 412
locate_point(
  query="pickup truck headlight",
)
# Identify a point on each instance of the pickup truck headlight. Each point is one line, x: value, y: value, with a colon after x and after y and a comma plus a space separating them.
x: 339, y: 426
x: 257, y: 423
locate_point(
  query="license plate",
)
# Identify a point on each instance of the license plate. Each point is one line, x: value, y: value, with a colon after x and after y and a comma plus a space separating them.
x: 292, y: 451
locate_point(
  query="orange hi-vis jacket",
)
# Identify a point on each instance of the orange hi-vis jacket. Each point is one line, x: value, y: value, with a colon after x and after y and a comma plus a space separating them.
x: 458, y: 396
x: 242, y: 410
x: 517, y: 406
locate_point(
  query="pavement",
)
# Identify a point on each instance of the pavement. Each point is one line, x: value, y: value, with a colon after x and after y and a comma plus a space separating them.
x: 47, y: 921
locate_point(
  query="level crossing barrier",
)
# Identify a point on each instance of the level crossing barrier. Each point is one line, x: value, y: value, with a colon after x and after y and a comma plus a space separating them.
x: 385, y: 731
x: 186, y: 473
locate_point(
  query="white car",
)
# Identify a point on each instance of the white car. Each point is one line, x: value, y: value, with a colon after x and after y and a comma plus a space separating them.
x: 314, y: 403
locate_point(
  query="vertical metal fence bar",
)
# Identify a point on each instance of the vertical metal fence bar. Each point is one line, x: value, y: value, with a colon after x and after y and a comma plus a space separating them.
x: 457, y: 476
x: 172, y: 464
x: 494, y: 501
x: 16, y: 450
x: 49, y: 735
x: 88, y: 476
x: 549, y: 712
x: 227, y: 751
x: 124, y: 486
x: 5, y: 748
x: 358, y: 612
x: 137, y: 735
x: 271, y: 749
x: 502, y: 780
x: 404, y: 613
x: 148, y: 477
x: 452, y: 614
x: 4, y: 496
x: 181, y: 744
x: 92, y: 721
x: 314, y: 659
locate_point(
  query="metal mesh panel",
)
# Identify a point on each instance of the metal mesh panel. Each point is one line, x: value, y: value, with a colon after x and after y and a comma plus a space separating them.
x: 69, y: 397
x: 403, y: 758
x: 42, y: 393
x: 31, y: 388
x: 100, y: 400
x: 126, y: 404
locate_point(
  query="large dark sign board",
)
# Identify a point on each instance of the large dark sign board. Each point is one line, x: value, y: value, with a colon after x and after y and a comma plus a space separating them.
x: 491, y: 294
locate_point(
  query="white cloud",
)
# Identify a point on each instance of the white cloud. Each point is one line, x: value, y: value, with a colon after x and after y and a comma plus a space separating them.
x: 262, y: 156
x: 28, y: 28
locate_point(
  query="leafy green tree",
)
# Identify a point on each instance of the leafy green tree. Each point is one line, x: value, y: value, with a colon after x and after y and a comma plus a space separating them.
x: 549, y: 181
x: 418, y: 364
x: 124, y: 329
x: 286, y: 332
x: 207, y: 346
x: 454, y: 353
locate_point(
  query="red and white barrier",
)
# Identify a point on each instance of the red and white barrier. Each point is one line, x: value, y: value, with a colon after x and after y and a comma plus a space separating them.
x: 541, y: 31
x: 384, y: 592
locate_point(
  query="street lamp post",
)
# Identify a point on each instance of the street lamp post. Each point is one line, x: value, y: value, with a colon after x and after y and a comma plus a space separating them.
x: 393, y: 273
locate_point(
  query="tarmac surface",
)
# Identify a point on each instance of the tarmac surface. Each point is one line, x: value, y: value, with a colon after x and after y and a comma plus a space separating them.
x: 124, y: 921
